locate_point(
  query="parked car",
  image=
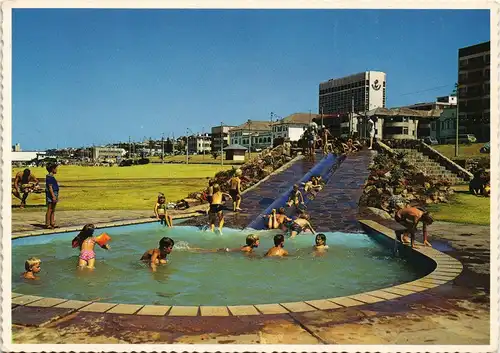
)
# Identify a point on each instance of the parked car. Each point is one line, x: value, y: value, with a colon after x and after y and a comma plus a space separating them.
x: 485, y: 148
x: 430, y: 140
x: 462, y: 138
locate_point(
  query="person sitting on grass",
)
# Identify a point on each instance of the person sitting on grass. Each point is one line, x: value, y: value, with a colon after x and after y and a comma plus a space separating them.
x: 32, y: 266
x: 477, y: 184
x: 157, y: 256
x: 300, y: 225
x: 25, y: 183
x: 215, y: 214
x: 277, y: 249
x: 161, y: 212
x: 276, y: 220
x: 409, y: 217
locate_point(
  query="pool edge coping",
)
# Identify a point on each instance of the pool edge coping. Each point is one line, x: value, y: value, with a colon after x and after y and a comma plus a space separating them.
x: 447, y: 269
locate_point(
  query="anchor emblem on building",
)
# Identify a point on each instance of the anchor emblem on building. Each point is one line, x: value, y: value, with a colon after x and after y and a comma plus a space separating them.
x: 376, y: 86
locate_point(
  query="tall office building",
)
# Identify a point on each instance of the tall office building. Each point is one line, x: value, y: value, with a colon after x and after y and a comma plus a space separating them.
x: 474, y: 89
x: 360, y: 92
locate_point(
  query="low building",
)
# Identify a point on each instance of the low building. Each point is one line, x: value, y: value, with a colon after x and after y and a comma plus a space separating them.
x: 201, y: 143
x: 293, y: 126
x: 100, y: 153
x: 254, y: 135
x: 445, y: 127
x: 440, y: 103
x: 235, y: 152
x: 403, y: 123
x: 26, y: 156
x: 220, y: 134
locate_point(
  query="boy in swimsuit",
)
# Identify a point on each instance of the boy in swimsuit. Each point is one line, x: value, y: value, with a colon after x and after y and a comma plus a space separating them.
x: 158, y: 255
x: 210, y: 190
x: 235, y: 190
x: 24, y: 182
x: 215, y: 214
x: 252, y: 241
x: 301, y: 224
x: 51, y: 196
x: 275, y: 221
x: 409, y: 217
x: 161, y: 213
x: 277, y: 249
x: 32, y: 266
x: 295, y: 197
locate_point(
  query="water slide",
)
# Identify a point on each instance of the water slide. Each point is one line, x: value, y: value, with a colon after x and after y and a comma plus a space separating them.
x: 325, y: 168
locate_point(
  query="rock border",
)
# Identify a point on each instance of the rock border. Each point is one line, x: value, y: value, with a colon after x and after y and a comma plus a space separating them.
x: 446, y: 269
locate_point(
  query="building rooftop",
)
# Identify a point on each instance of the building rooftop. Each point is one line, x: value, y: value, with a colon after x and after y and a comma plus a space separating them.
x: 434, y: 113
x: 235, y: 147
x: 298, y: 118
x: 254, y: 125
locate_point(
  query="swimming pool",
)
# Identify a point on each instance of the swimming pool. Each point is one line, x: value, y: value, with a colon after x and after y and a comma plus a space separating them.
x: 355, y: 263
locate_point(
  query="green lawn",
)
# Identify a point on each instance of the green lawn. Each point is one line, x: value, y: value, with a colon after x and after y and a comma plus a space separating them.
x: 468, y: 151
x: 463, y: 208
x: 134, y: 188
x: 199, y: 158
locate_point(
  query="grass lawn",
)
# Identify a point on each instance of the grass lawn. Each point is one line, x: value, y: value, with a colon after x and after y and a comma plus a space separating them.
x: 467, y: 151
x: 463, y: 208
x: 113, y: 188
x: 199, y: 158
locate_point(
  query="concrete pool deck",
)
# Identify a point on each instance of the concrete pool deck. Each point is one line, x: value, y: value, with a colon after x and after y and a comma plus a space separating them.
x: 444, y: 309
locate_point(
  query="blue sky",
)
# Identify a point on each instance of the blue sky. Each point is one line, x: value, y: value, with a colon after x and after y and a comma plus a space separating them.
x: 84, y: 76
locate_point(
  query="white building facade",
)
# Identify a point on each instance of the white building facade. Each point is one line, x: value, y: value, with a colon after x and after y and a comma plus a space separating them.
x: 200, y: 144
x: 355, y: 93
x: 254, y: 135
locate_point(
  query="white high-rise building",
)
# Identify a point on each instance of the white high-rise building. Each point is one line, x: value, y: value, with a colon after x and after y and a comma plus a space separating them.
x: 356, y: 93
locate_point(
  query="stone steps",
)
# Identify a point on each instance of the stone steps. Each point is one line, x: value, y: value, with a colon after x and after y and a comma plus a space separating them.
x: 428, y: 166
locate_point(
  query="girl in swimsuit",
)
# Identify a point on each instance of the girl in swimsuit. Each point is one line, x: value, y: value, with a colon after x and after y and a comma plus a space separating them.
x: 86, y: 242
x: 161, y: 213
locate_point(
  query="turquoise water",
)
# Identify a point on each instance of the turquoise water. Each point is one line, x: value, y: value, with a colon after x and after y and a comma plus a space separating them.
x: 353, y: 264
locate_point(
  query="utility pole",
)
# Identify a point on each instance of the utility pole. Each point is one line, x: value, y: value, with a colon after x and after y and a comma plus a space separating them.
x: 249, y: 138
x: 352, y: 115
x: 322, y: 117
x: 129, y: 148
x: 222, y: 143
x: 272, y: 132
x: 187, y: 146
x: 458, y: 120
x: 203, y: 141
x: 162, y: 148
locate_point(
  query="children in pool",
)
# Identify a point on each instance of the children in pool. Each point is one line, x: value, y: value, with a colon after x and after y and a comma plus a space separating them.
x: 86, y: 242
x: 158, y: 255
x: 32, y: 266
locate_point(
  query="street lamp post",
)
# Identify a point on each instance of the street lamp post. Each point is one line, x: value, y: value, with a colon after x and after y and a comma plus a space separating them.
x: 222, y: 143
x: 249, y: 138
x: 162, y: 148
x: 272, y: 131
x: 187, y: 146
x: 458, y: 121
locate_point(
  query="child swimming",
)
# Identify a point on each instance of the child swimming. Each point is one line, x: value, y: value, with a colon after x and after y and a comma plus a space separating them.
x: 277, y: 249
x: 320, y: 242
x: 301, y: 224
x: 158, y: 255
x: 86, y: 242
x: 252, y: 241
x: 161, y: 213
x: 32, y: 266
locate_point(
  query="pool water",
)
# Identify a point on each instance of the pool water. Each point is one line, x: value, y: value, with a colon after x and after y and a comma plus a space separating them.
x: 354, y: 263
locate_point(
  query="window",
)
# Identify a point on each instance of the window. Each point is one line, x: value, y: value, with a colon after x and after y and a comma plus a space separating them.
x: 405, y: 131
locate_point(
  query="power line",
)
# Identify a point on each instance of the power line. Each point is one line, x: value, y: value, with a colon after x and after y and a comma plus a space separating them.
x: 426, y: 90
